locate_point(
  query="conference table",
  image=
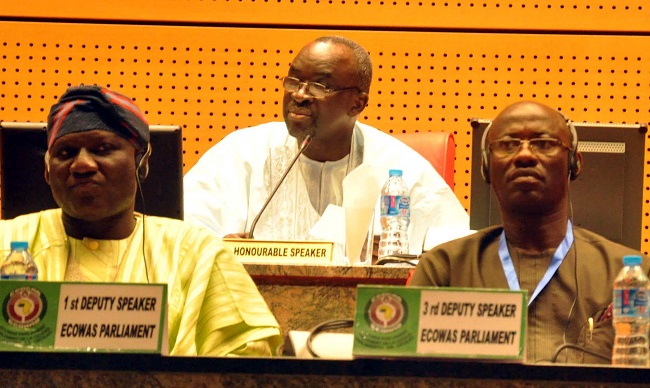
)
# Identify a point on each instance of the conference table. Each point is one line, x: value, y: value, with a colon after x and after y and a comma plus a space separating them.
x: 122, y: 370
x: 301, y: 296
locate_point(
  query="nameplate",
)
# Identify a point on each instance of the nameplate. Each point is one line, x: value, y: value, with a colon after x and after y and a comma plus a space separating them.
x: 289, y: 252
x: 88, y: 317
x: 469, y: 323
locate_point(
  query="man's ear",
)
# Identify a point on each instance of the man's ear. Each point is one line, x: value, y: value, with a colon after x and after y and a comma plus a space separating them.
x: 46, y: 161
x: 360, y: 103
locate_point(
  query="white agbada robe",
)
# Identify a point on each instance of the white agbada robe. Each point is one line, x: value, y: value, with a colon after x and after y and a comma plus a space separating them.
x: 227, y: 187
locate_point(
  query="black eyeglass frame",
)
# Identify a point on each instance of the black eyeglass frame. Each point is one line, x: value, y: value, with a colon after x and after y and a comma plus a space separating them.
x: 517, y: 144
x: 320, y: 87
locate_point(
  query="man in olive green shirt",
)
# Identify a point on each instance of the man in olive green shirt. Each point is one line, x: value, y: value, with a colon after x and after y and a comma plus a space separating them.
x: 529, y: 156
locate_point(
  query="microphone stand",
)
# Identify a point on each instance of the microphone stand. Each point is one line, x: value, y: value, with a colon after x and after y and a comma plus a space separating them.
x: 304, y: 145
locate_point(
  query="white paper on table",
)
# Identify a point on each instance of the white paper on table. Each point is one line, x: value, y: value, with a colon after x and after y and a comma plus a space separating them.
x: 361, y: 189
x: 328, y: 228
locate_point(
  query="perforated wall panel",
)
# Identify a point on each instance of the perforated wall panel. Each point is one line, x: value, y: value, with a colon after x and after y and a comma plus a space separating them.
x: 541, y: 15
x: 215, y: 80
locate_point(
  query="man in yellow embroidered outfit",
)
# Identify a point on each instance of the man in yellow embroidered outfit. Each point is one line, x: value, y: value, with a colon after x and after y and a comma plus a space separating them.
x: 98, y: 150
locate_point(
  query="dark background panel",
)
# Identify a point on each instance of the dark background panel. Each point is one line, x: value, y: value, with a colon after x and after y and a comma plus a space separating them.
x: 24, y: 189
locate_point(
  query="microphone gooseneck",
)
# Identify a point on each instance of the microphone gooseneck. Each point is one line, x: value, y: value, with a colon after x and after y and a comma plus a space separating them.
x: 304, y: 145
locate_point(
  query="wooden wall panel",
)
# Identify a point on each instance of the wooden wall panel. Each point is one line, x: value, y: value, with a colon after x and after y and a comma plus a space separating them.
x: 214, y: 80
x: 541, y: 15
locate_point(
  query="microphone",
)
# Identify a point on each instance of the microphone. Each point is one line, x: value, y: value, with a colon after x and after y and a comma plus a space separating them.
x: 304, y: 145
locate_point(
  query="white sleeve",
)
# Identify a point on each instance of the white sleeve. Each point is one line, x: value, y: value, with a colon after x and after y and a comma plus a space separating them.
x: 215, y: 193
x: 433, y: 205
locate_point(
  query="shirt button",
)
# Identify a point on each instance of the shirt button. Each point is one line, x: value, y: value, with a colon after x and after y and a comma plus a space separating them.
x: 93, y: 245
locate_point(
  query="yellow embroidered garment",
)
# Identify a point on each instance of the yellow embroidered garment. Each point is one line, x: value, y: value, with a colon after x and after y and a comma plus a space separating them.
x: 214, y: 307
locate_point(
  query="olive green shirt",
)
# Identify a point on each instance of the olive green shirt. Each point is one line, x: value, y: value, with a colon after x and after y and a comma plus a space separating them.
x: 580, y: 289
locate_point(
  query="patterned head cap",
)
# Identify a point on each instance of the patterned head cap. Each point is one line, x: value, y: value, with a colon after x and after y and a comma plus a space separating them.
x: 85, y: 108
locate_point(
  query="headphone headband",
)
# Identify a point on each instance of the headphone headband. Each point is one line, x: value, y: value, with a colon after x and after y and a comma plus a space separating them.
x: 574, y: 161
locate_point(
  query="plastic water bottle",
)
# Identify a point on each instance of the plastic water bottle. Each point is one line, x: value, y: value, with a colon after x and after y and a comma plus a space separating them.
x: 395, y: 214
x: 19, y: 264
x: 630, y: 314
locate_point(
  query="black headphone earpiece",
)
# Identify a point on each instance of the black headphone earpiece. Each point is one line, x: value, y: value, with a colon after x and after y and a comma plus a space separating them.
x: 485, y: 156
x: 143, y: 164
x: 574, y: 161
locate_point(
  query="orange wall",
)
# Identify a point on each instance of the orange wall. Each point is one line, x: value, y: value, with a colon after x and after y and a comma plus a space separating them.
x: 212, y: 67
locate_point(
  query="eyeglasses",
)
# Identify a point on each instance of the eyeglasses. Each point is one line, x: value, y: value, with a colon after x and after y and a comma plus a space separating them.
x: 539, y: 146
x: 315, y: 89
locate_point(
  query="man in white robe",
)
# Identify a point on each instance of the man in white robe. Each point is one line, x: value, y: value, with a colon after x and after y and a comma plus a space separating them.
x: 326, y: 89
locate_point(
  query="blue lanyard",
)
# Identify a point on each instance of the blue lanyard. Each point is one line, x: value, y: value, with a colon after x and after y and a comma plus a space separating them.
x: 558, y: 256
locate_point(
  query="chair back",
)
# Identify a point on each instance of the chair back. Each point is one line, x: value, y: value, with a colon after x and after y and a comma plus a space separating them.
x: 438, y: 148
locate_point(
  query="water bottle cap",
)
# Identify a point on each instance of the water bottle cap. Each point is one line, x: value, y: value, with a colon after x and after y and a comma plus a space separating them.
x: 19, y: 245
x: 631, y: 260
x: 394, y: 172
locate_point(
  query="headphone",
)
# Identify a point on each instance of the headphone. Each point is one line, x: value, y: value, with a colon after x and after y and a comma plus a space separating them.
x: 574, y: 162
x: 142, y: 170
x: 143, y: 164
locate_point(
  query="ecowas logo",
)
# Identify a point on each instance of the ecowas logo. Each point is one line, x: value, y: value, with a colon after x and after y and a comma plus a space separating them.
x: 386, y: 312
x: 24, y: 307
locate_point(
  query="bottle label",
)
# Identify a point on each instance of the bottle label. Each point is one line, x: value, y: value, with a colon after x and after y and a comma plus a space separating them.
x: 19, y: 277
x: 630, y: 302
x: 395, y: 205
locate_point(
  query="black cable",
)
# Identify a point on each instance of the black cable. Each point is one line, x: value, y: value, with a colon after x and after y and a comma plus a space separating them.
x: 394, y: 260
x: 144, y: 257
x: 327, y: 325
x: 580, y: 348
x: 398, y: 258
x: 575, y: 272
